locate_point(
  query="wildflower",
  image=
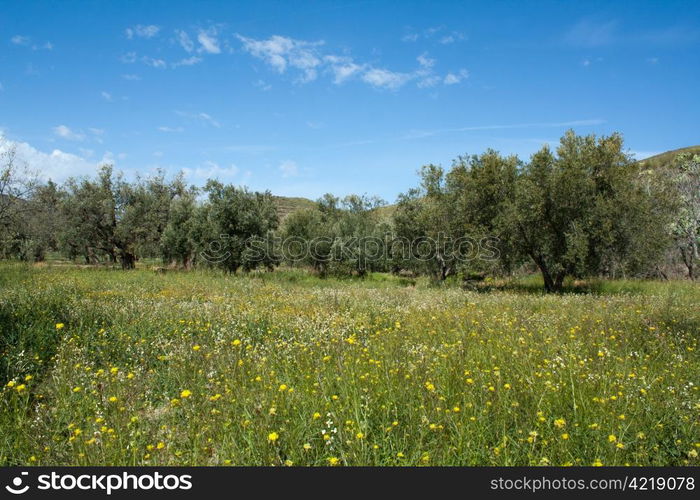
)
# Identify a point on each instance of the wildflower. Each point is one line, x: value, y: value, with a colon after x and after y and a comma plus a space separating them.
x: 597, y: 463
x: 283, y: 387
x: 21, y: 388
x: 185, y: 393
x: 333, y: 461
x: 236, y: 343
x: 612, y: 438
x: 59, y: 326
x: 359, y: 435
x: 559, y: 423
x: 113, y: 399
x: 429, y: 386
x: 565, y: 436
x: 693, y: 454
x: 196, y: 347
x: 316, y: 416
x: 272, y: 437
x: 307, y: 446
x: 160, y: 445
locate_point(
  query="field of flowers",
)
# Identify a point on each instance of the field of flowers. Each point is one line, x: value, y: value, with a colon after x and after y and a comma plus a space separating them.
x: 139, y: 368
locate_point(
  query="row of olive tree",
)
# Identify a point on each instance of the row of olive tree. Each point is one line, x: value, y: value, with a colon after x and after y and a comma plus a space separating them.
x: 586, y: 209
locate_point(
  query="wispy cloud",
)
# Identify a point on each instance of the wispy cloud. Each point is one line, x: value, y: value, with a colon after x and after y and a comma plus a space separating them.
x: 131, y: 77
x: 142, y: 31
x: 455, y: 78
x: 386, y: 79
x: 208, y: 42
x: 418, y: 134
x: 164, y: 128
x: 106, y: 96
x: 187, y: 61
x: 20, y: 40
x: 26, y: 41
x: 64, y: 132
x: 184, y: 40
x: 308, y: 59
x: 587, y: 33
x: 211, y: 170
x: 440, y: 34
x: 288, y: 168
x: 199, y: 117
x: 281, y: 53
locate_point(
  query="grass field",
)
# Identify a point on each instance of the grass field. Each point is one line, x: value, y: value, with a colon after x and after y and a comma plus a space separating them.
x: 138, y: 368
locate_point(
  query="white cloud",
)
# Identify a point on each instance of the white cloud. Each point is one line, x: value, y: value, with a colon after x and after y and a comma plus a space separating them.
x: 184, y: 40
x: 208, y: 42
x: 106, y: 96
x: 418, y: 134
x: 201, y: 117
x: 281, y: 52
x: 288, y: 168
x: 429, y: 81
x: 131, y: 77
x: 653, y: 60
x: 262, y: 84
x: 129, y: 57
x: 425, y: 61
x: 210, y: 170
x: 156, y: 63
x: 141, y: 31
x: 384, y: 78
x: 163, y: 128
x: 25, y: 41
x: 56, y: 165
x: 591, y: 34
x: 342, y: 67
x: 20, y: 40
x: 65, y: 132
x: 454, y: 78
x: 430, y: 33
x: 188, y: 61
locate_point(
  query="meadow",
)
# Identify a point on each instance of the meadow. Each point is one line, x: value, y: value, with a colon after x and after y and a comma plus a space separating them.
x: 105, y: 367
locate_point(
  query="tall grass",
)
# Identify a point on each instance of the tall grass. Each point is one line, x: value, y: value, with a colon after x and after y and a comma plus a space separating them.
x: 285, y: 369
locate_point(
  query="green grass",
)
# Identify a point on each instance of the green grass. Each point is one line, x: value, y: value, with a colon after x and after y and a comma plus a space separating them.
x: 204, y: 368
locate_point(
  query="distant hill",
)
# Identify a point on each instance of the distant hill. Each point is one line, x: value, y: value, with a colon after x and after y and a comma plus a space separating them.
x: 664, y: 159
x: 286, y: 205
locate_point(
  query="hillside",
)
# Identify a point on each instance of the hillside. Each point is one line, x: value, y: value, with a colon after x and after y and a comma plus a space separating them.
x: 286, y: 205
x: 664, y: 159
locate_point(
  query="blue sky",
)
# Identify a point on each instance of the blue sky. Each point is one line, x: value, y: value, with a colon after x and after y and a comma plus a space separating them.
x: 304, y: 98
